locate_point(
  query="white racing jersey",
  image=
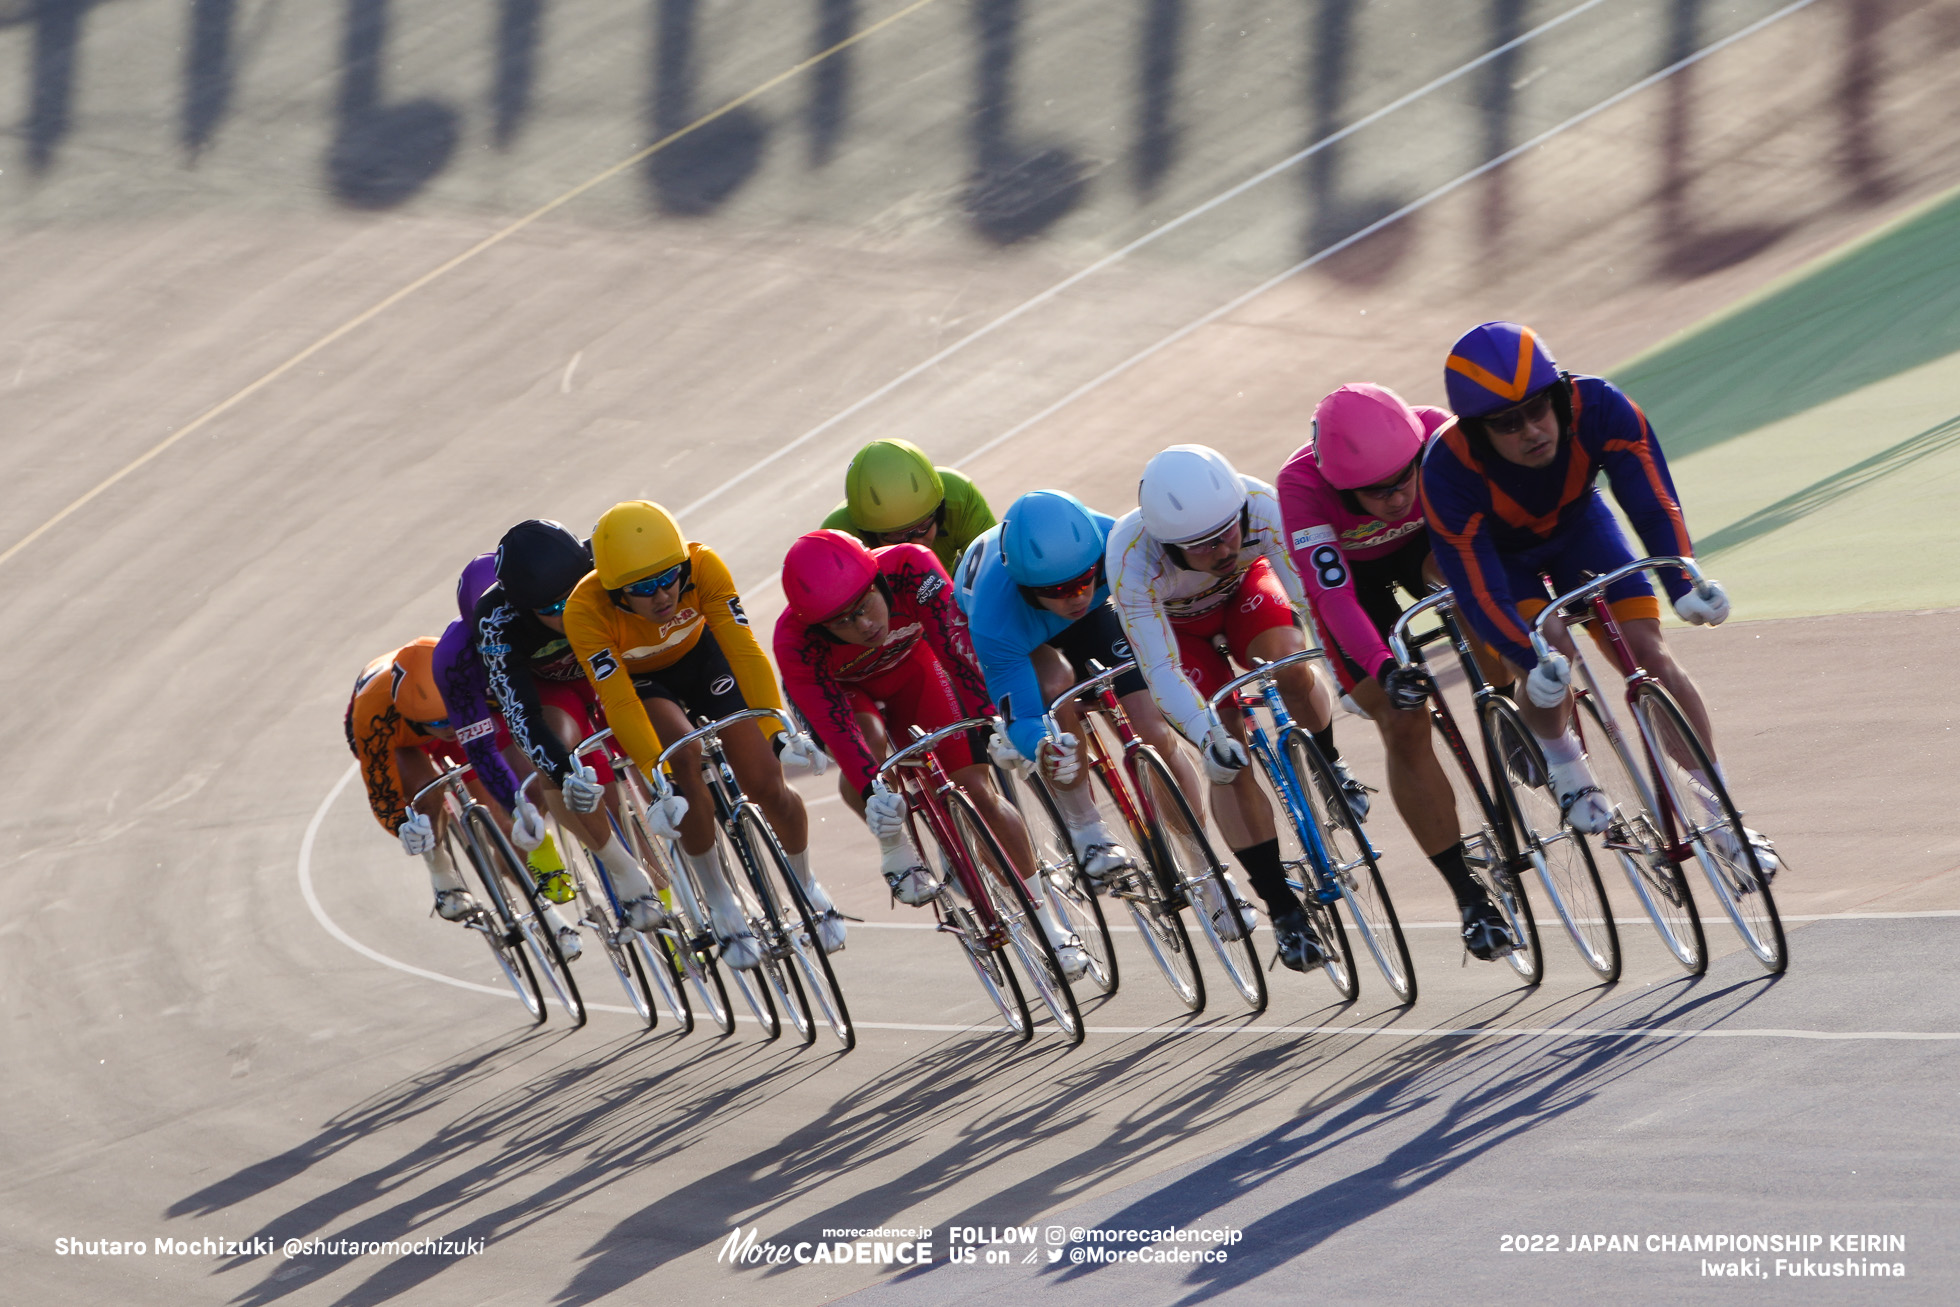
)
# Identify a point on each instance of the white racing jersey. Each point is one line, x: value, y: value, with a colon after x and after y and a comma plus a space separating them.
x: 1151, y: 592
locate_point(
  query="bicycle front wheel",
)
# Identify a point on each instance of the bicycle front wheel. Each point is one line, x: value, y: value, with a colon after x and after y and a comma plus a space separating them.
x: 798, y: 929
x: 498, y: 926
x: 1352, y: 862
x: 1141, y: 886
x: 1015, y: 911
x: 1712, y: 826
x: 1559, y: 854
x: 1635, y: 840
x: 528, y: 909
x: 689, y: 941
x: 1185, y: 856
x: 1068, y: 889
x: 985, y: 948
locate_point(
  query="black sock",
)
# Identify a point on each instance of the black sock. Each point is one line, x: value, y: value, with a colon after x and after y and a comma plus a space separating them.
x: 1324, y: 741
x: 1457, y: 874
x: 1268, y: 877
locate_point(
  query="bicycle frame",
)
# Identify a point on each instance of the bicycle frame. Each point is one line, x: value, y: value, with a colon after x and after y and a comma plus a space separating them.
x: 727, y: 791
x: 1593, y: 596
x: 926, y: 797
x: 1100, y: 690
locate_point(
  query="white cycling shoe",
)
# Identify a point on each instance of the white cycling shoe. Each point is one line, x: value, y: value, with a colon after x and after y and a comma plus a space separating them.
x: 1230, y: 914
x: 644, y: 914
x: 905, y: 871
x: 1579, y: 796
x: 1723, y: 840
x: 739, y: 949
x: 1069, y: 953
x: 570, y: 946
x: 454, y: 904
x: 830, y: 930
x: 1098, y: 853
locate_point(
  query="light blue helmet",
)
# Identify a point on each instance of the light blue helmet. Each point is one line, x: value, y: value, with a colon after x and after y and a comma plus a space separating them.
x: 1049, y: 536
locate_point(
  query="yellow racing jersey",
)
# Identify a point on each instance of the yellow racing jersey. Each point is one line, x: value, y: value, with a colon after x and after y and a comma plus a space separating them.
x: 613, y: 645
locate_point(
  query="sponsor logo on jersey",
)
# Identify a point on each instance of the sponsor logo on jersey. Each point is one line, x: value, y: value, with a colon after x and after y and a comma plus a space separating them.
x: 604, y: 664
x: 1121, y: 648
x: 735, y: 611
x: 930, y: 587
x: 476, y: 730
x: 722, y: 685
x: 1308, y: 537
x: 1377, y: 532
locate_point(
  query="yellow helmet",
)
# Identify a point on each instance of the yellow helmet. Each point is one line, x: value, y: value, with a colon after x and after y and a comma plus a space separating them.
x: 634, y: 540
x: 891, y: 484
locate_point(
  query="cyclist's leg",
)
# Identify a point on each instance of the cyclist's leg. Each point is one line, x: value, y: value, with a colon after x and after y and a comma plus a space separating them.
x: 417, y: 769
x: 1643, y: 636
x: 1155, y: 730
x: 1058, y: 664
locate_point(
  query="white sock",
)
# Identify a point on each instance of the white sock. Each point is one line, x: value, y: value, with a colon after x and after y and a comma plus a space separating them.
x: 721, y: 899
x: 442, y: 869
x: 799, y: 862
x: 1565, y: 748
x: 628, y: 880
x: 1077, y: 805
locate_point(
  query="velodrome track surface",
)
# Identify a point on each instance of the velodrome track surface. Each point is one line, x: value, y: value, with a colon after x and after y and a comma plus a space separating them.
x: 204, y: 203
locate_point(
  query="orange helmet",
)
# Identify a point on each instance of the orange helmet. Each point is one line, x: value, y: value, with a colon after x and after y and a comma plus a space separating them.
x: 415, y: 693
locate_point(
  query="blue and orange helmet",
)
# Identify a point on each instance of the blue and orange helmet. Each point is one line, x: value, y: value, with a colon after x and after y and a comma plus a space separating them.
x: 1496, y: 366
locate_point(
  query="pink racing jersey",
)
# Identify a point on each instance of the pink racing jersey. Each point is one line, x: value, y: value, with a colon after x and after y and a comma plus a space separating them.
x: 1323, y: 535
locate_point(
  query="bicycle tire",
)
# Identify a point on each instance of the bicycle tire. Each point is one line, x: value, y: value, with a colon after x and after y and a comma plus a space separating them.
x: 499, y: 930
x: 1353, y: 868
x: 1336, y: 953
x: 1068, y: 886
x: 812, y: 964
x: 540, y: 940
x: 1563, y: 857
x: 1141, y: 888
x: 1015, y: 910
x: 1185, y: 852
x: 957, y: 917
x: 1635, y: 840
x: 774, y: 983
x: 689, y: 941
x: 1734, y: 874
x: 594, y: 913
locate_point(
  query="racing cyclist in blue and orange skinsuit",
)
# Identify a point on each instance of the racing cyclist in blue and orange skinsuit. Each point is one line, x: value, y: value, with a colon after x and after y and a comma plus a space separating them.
x: 1508, y: 493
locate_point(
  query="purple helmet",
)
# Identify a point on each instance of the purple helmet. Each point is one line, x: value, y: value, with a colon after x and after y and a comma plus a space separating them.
x: 479, y: 574
x: 1495, y: 366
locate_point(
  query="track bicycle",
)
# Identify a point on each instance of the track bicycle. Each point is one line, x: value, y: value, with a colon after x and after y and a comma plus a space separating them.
x: 521, y: 936
x: 1491, y: 848
x: 1336, y: 861
x: 657, y: 968
x: 794, y: 973
x: 980, y: 897
x: 1670, y: 805
x: 1150, y: 887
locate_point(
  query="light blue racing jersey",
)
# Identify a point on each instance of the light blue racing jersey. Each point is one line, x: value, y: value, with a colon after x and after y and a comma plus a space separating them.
x: 1006, y: 626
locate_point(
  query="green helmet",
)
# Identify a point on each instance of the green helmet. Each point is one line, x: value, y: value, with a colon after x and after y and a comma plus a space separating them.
x: 890, y: 484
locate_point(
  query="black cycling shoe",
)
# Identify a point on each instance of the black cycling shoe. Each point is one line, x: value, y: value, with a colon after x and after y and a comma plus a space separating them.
x: 1484, y: 935
x: 1293, y: 939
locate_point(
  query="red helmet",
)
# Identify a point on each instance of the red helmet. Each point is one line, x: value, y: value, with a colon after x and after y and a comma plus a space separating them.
x: 824, y: 573
x: 1363, y: 435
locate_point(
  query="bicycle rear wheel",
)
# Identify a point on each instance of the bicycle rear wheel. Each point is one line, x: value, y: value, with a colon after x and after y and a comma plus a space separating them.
x: 1353, y: 866
x: 799, y: 931
x: 1067, y: 887
x: 1185, y: 856
x: 1141, y: 888
x: 527, y: 909
x: 1635, y: 840
x: 1559, y: 854
x: 985, y: 950
x: 499, y: 929
x: 1015, y: 911
x: 1712, y: 825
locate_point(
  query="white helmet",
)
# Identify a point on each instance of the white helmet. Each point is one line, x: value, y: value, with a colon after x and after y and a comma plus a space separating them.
x: 1189, y: 492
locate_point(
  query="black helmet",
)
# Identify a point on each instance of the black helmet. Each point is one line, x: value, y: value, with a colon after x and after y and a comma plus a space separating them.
x: 539, y: 561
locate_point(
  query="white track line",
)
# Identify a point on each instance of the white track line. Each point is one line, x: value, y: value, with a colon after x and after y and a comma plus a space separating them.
x: 1373, y: 227
x: 1156, y: 233
x: 1372, y: 1032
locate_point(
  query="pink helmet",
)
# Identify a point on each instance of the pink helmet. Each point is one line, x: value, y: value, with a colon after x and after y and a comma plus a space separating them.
x: 1363, y: 435
x: 824, y: 573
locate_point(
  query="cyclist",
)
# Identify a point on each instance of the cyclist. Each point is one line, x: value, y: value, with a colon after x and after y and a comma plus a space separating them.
x: 398, y: 728
x: 871, y: 645
x: 1201, y: 561
x: 1354, y: 527
x: 1036, y: 596
x: 660, y: 631
x: 542, y: 694
x: 1509, y: 496
x: 893, y: 495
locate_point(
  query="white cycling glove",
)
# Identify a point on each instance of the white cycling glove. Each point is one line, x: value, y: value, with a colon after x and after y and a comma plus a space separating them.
x: 418, y: 835
x: 1060, y: 758
x: 581, y: 789
x: 802, y: 750
x: 1005, y: 755
x: 526, y: 826
x: 1549, y: 681
x: 1706, y: 606
x: 664, y: 816
x: 1224, y: 756
x: 884, y: 813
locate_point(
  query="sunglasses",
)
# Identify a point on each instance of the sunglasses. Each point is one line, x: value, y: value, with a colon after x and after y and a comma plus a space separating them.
x: 1512, y: 421
x: 1382, y: 490
x: 551, y: 610
x: 654, y: 584
x: 1211, y: 541
x: 1068, y: 589
x: 919, y: 530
